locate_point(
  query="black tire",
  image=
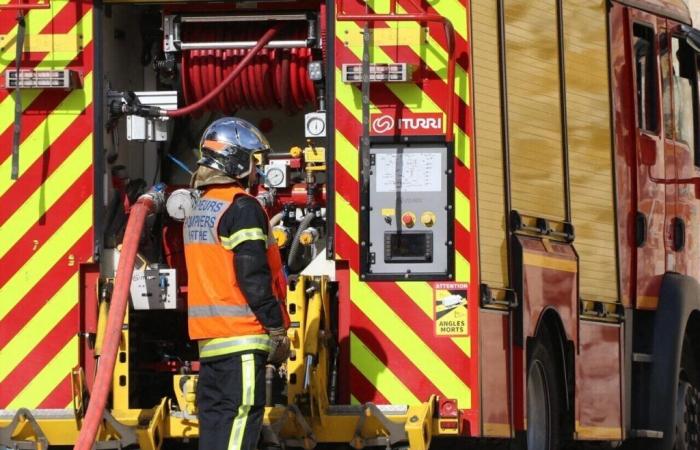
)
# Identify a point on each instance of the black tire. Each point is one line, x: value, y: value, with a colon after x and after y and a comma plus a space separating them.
x: 687, y: 430
x: 544, y: 399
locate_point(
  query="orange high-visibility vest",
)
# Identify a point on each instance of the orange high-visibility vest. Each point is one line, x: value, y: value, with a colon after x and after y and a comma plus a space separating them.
x: 218, y: 312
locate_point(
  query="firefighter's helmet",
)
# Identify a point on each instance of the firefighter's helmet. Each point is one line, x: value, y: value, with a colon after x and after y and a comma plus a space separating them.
x: 229, y: 144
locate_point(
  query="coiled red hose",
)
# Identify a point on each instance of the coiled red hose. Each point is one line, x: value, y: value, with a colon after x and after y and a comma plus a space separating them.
x: 274, y: 78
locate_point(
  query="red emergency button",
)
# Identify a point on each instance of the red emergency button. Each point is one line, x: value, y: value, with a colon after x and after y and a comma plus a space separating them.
x: 408, y: 219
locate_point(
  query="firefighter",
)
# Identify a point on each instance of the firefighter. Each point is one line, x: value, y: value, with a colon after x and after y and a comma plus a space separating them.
x: 236, y: 287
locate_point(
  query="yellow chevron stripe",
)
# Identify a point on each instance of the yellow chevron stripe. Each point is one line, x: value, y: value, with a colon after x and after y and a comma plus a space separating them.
x: 346, y: 155
x: 410, y: 94
x: 378, y: 374
x: 50, y: 61
x: 421, y: 294
x: 354, y: 400
x: 50, y: 376
x: 33, y: 332
x: 463, y: 268
x: 462, y: 209
x: 35, y: 21
x: 451, y: 9
x: 45, y: 196
x: 410, y: 344
x: 346, y: 94
x: 346, y: 217
x: 45, y: 257
x: 48, y: 131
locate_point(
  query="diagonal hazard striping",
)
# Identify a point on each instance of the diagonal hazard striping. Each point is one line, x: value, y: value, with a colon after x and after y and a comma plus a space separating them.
x: 378, y: 374
x: 45, y: 195
x: 44, y: 382
x: 7, y: 105
x: 46, y: 256
x: 26, y: 340
x: 410, y: 344
x: 57, y: 122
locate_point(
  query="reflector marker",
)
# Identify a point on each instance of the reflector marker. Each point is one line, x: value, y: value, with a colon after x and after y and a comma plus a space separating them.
x: 33, y: 332
x: 45, y: 257
x: 7, y: 105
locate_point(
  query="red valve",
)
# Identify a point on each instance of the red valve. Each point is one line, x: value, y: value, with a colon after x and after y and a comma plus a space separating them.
x: 408, y: 219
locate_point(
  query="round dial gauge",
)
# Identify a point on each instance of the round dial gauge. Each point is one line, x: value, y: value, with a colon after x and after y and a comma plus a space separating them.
x: 274, y: 176
x: 315, y: 126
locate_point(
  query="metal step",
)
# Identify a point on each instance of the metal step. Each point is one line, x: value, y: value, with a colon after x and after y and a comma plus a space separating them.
x: 642, y: 357
x: 650, y: 434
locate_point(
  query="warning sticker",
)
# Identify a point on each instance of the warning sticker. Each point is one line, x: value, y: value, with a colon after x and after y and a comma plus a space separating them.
x: 450, y: 301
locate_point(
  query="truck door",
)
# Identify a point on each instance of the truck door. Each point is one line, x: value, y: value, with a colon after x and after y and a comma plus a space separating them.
x: 653, y: 155
x: 680, y: 125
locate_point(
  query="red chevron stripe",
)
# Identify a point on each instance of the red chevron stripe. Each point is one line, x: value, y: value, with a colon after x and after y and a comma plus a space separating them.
x: 52, y: 343
x: 35, y: 114
x: 363, y: 390
x: 43, y: 290
x: 45, y: 166
x: 391, y: 356
x: 47, y: 225
x: 345, y: 247
x: 343, y: 178
x: 66, y: 18
x: 59, y: 397
x: 62, y: 22
x: 397, y: 300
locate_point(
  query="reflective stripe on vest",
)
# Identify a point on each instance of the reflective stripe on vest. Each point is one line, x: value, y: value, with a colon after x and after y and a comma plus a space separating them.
x: 220, y: 311
x: 246, y: 234
x: 209, y: 348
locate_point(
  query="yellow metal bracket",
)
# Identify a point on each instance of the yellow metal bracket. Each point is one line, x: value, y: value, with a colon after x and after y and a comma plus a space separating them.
x: 151, y: 437
x: 21, y: 416
x: 419, y: 426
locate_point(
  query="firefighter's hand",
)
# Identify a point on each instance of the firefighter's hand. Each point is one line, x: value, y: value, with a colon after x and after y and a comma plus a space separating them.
x: 279, y: 346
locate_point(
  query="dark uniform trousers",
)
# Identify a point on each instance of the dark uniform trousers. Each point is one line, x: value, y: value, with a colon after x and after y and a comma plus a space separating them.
x: 231, y: 401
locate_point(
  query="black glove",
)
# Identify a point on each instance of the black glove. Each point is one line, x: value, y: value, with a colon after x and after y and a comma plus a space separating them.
x: 279, y: 346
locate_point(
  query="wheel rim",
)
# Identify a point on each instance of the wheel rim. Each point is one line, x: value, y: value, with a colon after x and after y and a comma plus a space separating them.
x: 539, y: 421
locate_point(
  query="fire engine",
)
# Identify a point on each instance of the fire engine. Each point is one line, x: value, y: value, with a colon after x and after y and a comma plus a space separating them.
x: 488, y: 212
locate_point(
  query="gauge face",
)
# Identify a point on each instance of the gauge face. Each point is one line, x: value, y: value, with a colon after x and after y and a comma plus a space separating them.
x: 274, y: 176
x: 316, y: 126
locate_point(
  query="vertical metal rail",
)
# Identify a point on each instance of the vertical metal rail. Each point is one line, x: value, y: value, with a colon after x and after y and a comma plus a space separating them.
x: 563, y: 112
x: 507, y: 199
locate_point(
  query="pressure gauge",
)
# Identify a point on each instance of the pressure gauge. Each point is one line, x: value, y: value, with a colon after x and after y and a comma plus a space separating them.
x: 315, y: 124
x: 275, y: 176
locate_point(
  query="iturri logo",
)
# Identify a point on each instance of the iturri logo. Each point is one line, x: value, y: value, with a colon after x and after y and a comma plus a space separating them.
x: 383, y: 124
x: 423, y: 124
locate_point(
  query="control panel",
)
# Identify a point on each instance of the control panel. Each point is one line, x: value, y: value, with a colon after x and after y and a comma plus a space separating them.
x: 407, y: 213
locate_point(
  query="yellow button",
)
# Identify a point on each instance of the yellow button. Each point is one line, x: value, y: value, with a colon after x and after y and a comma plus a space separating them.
x: 295, y: 152
x: 428, y: 218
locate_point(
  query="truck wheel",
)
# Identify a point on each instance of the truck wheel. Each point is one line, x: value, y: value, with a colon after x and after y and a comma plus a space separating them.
x: 543, y: 399
x: 687, y: 417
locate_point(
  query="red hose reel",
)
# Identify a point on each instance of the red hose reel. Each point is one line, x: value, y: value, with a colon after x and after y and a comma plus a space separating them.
x: 275, y: 78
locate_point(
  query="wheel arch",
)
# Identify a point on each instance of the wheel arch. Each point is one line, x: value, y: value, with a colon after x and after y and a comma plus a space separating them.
x: 551, y: 327
x: 676, y: 322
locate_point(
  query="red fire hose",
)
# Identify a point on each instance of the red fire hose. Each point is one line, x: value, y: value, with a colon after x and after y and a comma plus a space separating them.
x: 103, y: 379
x: 271, y: 78
x: 214, y: 88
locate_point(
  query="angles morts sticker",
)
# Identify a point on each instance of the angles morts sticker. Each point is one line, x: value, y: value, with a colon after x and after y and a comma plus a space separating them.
x: 450, y: 309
